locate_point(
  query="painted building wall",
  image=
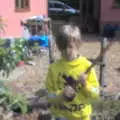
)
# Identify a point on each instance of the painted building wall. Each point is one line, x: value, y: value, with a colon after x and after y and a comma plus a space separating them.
x: 12, y: 18
x: 108, y: 13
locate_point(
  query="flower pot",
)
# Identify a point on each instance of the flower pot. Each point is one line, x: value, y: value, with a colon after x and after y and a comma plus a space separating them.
x: 20, y: 63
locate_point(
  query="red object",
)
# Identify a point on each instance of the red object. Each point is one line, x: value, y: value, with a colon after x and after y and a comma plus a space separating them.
x: 20, y: 63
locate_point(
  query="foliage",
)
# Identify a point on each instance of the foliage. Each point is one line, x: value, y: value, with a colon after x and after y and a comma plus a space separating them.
x: 19, y: 49
x: 9, y: 101
x: 11, y: 55
x: 6, y: 61
x: 2, y: 42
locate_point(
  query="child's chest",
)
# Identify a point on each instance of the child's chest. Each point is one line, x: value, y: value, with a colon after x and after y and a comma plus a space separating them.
x: 68, y: 75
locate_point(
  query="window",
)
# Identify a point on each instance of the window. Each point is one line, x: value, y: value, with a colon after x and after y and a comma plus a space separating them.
x: 116, y: 3
x: 58, y: 6
x: 50, y: 5
x: 22, y: 5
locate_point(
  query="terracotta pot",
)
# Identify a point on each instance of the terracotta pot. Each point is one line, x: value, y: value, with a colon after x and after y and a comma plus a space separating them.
x: 20, y: 63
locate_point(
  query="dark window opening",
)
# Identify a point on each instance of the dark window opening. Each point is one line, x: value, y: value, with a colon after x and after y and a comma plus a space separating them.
x: 50, y: 5
x: 22, y: 5
x: 58, y: 6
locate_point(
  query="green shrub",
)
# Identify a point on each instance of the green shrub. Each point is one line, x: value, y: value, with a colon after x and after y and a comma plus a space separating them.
x: 10, y: 56
x: 18, y: 49
x: 9, y: 101
x: 7, y: 62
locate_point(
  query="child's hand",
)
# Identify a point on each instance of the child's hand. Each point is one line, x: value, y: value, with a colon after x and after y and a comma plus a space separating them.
x: 82, y: 79
x: 69, y: 93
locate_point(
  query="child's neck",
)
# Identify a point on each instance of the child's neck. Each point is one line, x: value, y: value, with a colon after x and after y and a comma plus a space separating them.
x: 72, y: 58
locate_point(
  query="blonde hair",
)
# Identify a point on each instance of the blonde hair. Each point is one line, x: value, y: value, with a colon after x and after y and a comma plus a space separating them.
x: 66, y: 34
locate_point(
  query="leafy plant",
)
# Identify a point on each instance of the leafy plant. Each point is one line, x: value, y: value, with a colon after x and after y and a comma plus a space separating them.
x: 19, y: 49
x: 11, y: 55
x: 2, y: 42
x: 9, y: 101
x: 6, y: 61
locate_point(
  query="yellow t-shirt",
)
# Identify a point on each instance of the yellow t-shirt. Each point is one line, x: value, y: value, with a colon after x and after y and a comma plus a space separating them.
x: 84, y: 95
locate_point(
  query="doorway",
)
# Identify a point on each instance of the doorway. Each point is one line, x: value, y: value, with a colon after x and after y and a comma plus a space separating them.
x: 90, y: 15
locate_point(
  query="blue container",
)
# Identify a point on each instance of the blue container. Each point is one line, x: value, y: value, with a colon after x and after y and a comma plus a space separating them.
x: 43, y: 40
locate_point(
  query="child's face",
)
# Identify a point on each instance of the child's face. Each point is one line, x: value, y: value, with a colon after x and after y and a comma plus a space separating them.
x: 71, y: 51
x: 68, y: 41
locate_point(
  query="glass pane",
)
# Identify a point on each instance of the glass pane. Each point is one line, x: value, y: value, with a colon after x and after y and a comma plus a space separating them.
x: 16, y: 3
x: 22, y: 3
x: 58, y: 5
x: 50, y: 5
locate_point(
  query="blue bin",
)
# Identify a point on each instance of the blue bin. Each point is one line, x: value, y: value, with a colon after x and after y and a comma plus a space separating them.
x: 43, y: 40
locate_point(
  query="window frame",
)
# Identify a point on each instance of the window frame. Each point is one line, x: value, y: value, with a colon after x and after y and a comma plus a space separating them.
x: 21, y: 7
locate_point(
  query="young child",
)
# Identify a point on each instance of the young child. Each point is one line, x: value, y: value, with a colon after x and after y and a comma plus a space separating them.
x: 70, y: 90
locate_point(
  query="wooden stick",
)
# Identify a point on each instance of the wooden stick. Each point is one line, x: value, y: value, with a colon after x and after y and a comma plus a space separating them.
x: 51, y: 60
x: 99, y: 57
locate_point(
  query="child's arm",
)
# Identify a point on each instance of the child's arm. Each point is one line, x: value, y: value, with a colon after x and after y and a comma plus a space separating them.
x: 91, y: 86
x: 50, y: 85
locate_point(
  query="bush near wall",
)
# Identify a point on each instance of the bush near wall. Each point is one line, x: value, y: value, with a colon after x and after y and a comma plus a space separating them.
x: 11, y: 54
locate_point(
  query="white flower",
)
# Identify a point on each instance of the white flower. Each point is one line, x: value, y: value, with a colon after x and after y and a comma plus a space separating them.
x: 20, y: 46
x: 13, y: 51
x: 23, y: 50
x: 8, y: 64
x: 21, y: 39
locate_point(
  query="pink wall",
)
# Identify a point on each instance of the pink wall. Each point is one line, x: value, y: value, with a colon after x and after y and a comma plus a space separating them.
x: 7, y: 10
x: 109, y: 14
